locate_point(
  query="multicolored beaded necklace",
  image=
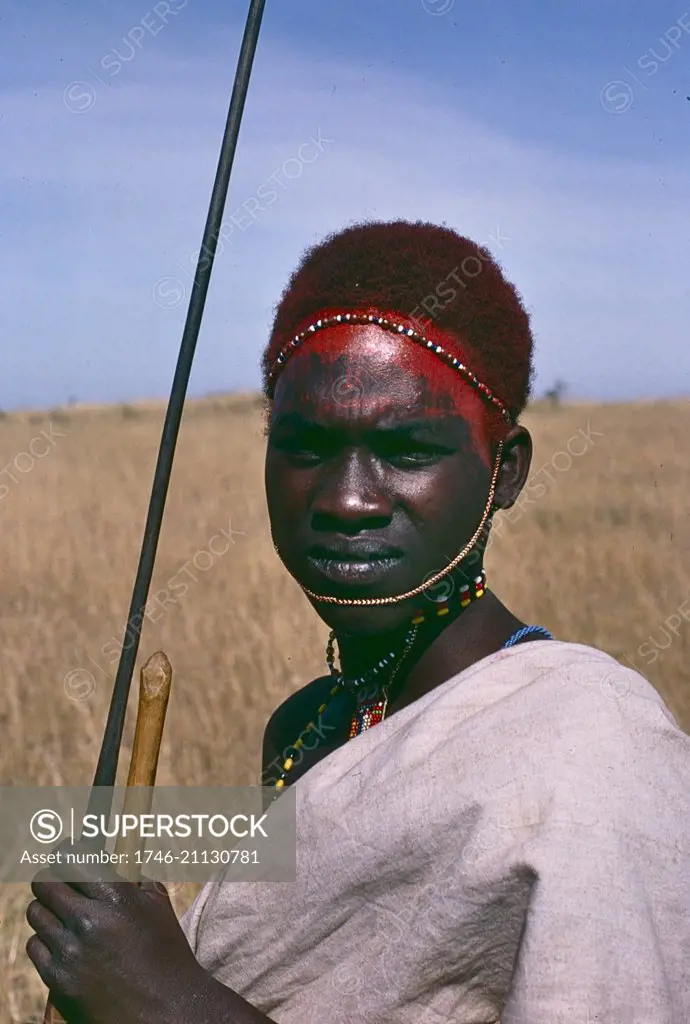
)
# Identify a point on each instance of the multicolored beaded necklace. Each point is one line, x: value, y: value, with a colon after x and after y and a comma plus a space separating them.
x: 371, y: 712
x: 373, y: 696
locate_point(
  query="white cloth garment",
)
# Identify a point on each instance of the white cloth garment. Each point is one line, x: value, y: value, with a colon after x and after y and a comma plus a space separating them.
x: 515, y: 845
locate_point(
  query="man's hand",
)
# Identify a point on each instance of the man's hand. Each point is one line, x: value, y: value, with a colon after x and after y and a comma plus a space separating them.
x: 111, y: 951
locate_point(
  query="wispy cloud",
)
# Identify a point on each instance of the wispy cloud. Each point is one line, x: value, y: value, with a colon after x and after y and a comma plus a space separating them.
x: 106, y: 204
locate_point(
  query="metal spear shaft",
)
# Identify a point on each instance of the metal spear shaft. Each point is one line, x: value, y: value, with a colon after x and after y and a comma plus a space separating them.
x: 106, y: 770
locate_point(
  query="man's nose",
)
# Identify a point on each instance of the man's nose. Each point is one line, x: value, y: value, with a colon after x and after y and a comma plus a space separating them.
x: 351, y: 498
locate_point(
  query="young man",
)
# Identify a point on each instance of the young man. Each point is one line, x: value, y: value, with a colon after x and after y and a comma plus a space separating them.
x: 483, y: 833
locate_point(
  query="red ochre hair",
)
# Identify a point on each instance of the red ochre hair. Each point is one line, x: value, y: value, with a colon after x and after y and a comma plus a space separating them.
x: 426, y: 274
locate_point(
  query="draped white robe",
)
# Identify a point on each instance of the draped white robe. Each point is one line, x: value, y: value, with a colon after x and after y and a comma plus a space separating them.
x: 514, y: 845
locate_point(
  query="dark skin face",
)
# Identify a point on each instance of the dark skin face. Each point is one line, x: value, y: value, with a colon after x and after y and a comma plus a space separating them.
x: 364, y: 445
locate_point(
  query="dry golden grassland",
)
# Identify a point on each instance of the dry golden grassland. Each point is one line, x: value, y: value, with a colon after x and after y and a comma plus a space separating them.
x: 598, y: 553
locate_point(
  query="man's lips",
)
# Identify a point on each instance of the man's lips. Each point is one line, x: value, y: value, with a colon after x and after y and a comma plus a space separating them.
x: 360, y: 551
x: 361, y: 563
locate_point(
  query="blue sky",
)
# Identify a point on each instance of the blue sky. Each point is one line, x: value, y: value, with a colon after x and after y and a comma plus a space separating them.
x: 556, y: 134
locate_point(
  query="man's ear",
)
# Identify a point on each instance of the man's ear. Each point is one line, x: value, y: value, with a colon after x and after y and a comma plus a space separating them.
x: 515, y: 465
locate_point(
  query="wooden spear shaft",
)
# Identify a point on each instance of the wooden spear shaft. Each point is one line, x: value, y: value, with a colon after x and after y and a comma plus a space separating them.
x: 154, y: 693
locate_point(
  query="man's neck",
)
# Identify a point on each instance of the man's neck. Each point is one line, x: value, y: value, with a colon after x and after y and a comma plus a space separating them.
x: 477, y: 632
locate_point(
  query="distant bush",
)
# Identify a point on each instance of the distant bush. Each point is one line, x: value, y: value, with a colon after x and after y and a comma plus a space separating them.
x: 56, y: 416
x: 556, y: 393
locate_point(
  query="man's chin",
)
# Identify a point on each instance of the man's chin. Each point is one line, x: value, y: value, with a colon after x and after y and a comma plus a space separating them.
x: 367, y: 621
x: 360, y: 620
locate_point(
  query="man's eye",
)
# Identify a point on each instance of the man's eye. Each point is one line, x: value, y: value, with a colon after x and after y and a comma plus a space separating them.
x: 301, y: 449
x: 416, y: 457
x: 304, y: 455
x: 412, y: 454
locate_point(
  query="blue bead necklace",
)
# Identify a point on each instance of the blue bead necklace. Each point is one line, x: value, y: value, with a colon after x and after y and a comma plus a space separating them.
x: 526, y: 631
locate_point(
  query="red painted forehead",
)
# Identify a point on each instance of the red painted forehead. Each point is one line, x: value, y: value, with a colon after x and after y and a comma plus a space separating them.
x: 371, y: 367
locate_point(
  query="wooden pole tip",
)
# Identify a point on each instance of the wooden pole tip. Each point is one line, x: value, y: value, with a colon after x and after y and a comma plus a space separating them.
x: 156, y: 675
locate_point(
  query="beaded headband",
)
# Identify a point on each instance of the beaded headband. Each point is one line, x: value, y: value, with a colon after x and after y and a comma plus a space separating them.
x: 396, y: 325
